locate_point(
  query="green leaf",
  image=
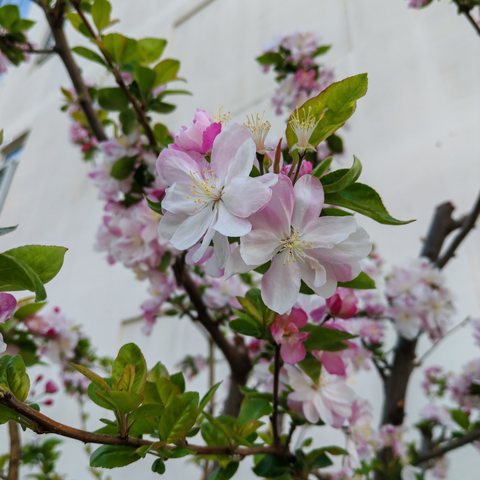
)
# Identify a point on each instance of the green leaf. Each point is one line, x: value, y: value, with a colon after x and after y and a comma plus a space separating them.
x: 122, y: 49
x: 122, y: 168
x: 158, y: 466
x: 92, y: 376
x: 101, y: 397
x: 326, y: 339
x: 253, y: 409
x: 89, y: 55
x: 270, y: 58
x: 77, y: 23
x: 224, y: 473
x: 318, y: 459
x: 129, y: 371
x: 322, y: 167
x: 271, y: 466
x: 166, y: 71
x: 461, y: 418
x: 145, y: 78
x: 335, y: 212
x: 335, y: 143
x: 101, y: 10
x: 9, y: 14
x: 125, y: 402
x: 13, y: 376
x: 112, y: 98
x: 5, y: 230
x: 341, y: 179
x: 151, y: 49
x: 29, y: 309
x: 180, y: 415
x: 16, y: 275
x: 45, y: 261
x: 246, y: 326
x: 113, y: 456
x: 311, y: 366
x: 365, y: 200
x: 208, y: 396
x: 362, y: 282
x: 331, y: 108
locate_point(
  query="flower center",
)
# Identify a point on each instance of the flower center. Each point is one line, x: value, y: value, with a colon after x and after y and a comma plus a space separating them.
x: 204, y: 187
x: 294, y: 246
x: 259, y: 129
x: 303, y: 127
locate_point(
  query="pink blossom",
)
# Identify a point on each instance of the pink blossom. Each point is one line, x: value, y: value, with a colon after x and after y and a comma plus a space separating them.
x: 211, y: 200
x: 330, y: 399
x: 433, y: 383
x: 222, y: 292
x: 7, y: 306
x: 301, y: 245
x: 51, y: 387
x: 199, y: 136
x: 343, y: 304
x: 392, y: 436
x: 286, y: 333
x: 418, y: 3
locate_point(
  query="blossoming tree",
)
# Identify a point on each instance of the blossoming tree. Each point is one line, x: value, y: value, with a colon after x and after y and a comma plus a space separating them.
x: 259, y: 245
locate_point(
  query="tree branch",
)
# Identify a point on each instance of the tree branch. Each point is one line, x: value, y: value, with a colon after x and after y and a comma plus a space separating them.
x: 55, y: 17
x: 276, y: 377
x: 43, y: 424
x: 465, y: 229
x: 237, y: 357
x: 141, y: 116
x: 15, y: 451
x: 441, y: 450
x: 466, y: 10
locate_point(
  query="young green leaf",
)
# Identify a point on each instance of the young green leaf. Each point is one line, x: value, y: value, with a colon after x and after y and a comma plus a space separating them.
x: 113, y: 456
x: 365, y: 200
x: 340, y: 179
x: 101, y: 10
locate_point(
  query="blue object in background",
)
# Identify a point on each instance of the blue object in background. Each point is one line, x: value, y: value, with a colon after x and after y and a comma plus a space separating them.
x: 23, y: 5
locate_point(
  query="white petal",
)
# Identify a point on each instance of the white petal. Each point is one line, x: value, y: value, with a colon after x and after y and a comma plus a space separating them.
x: 192, y: 229
x: 308, y: 200
x: 245, y: 196
x: 259, y: 246
x: 230, y: 225
x: 233, y: 153
x: 179, y: 199
x: 281, y: 284
x: 325, y: 232
x: 175, y: 166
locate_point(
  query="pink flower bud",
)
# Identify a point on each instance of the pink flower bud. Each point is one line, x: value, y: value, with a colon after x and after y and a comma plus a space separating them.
x: 343, y: 304
x: 51, y: 387
x: 48, y: 402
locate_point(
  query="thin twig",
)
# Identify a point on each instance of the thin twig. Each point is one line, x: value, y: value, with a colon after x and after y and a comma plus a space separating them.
x: 420, y: 361
x: 466, y: 10
x: 441, y: 450
x: 276, y: 380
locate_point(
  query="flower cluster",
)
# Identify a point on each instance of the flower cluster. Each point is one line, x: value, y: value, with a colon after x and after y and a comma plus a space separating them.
x: 298, y: 73
x: 418, y: 300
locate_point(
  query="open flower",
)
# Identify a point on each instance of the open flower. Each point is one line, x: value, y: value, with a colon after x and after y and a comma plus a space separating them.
x: 286, y: 332
x: 204, y: 199
x: 301, y: 245
x: 330, y: 399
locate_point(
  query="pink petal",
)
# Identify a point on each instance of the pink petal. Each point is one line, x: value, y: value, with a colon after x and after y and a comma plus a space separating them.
x: 209, y: 135
x: 299, y: 317
x: 333, y: 363
x: 259, y: 246
x: 292, y: 353
x: 176, y: 166
x: 245, y: 196
x: 281, y: 284
x: 233, y: 153
x: 7, y: 306
x: 308, y: 200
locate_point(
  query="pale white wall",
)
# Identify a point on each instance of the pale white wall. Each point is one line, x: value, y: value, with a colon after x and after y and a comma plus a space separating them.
x: 416, y: 131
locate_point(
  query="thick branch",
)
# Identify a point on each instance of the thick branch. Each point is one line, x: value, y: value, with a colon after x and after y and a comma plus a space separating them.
x: 437, y: 452
x: 467, y: 226
x: 142, y: 118
x: 55, y: 18
x: 15, y: 451
x: 44, y: 424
